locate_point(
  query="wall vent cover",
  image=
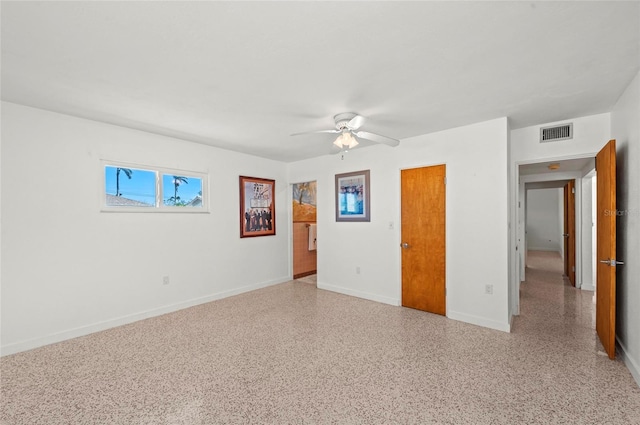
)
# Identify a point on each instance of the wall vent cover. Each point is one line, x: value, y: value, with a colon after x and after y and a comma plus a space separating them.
x: 556, y: 133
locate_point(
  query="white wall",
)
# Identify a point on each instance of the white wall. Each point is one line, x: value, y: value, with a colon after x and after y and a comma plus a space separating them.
x: 594, y: 230
x: 476, y: 158
x: 561, y: 219
x: 588, y: 280
x: 590, y: 134
x: 68, y: 269
x: 625, y: 127
x: 1, y: 237
x: 543, y: 221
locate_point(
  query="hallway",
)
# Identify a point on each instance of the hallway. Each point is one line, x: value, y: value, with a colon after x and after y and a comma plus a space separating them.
x: 553, y: 310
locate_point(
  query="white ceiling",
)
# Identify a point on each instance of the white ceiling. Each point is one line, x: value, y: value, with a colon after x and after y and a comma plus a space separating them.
x: 564, y: 166
x: 245, y: 75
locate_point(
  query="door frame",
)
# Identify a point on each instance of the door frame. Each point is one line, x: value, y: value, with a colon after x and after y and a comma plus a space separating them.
x: 541, y: 178
x: 290, y: 223
x: 569, y: 227
x: 517, y: 239
x: 447, y: 220
x: 565, y: 228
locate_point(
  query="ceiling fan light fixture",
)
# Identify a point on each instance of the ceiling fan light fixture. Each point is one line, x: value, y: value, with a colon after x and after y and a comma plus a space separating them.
x: 346, y: 141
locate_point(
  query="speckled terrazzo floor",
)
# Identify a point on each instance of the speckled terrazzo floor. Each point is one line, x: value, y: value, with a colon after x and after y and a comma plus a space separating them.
x: 293, y: 354
x: 311, y: 279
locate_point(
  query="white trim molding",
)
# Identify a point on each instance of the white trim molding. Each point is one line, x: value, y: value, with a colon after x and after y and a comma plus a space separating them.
x: 630, y: 362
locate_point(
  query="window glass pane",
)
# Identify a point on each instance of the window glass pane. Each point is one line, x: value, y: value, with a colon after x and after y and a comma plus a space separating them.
x: 129, y: 187
x: 182, y: 191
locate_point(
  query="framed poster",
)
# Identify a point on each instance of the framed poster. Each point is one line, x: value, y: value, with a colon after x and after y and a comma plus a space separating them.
x: 352, y: 196
x: 257, y: 207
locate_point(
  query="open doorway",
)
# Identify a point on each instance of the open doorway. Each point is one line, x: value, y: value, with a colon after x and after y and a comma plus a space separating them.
x: 605, y: 224
x: 558, y: 239
x: 305, y: 241
x: 551, y: 225
x: 544, y: 190
x: 556, y: 230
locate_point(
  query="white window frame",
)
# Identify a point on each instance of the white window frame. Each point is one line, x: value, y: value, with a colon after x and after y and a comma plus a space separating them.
x: 159, y: 206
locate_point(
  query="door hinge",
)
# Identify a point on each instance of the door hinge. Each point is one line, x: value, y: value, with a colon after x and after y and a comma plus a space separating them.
x: 445, y: 180
x: 573, y: 190
x: 573, y: 269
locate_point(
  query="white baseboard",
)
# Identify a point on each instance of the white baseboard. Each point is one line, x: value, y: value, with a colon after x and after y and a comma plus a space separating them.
x: 480, y: 321
x: 630, y: 362
x: 30, y: 344
x: 467, y: 318
x: 359, y: 294
x: 586, y: 286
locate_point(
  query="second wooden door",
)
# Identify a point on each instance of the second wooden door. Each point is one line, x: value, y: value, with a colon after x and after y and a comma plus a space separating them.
x: 423, y: 238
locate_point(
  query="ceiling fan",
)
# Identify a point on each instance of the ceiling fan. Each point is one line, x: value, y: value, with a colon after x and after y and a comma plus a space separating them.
x: 347, y: 125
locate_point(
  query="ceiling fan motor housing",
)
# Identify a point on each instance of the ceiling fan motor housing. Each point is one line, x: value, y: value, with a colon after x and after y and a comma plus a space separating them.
x: 343, y: 119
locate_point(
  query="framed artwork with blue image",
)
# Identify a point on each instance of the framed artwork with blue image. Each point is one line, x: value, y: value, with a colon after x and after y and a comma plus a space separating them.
x: 352, y: 196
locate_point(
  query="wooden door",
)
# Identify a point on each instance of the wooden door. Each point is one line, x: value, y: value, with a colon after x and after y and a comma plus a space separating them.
x: 565, y: 230
x: 570, y: 190
x: 606, y: 248
x: 423, y: 238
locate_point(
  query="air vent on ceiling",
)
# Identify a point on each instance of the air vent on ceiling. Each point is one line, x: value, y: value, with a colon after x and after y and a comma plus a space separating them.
x: 556, y: 133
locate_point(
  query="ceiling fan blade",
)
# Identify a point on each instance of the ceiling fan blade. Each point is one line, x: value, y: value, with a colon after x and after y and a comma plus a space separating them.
x: 378, y: 138
x: 356, y: 122
x: 316, y: 132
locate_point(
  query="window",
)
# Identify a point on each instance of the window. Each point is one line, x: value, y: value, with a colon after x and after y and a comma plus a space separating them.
x: 181, y: 191
x: 131, y: 188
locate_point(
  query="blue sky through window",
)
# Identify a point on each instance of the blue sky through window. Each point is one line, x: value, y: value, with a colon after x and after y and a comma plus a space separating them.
x: 187, y: 189
x: 140, y: 187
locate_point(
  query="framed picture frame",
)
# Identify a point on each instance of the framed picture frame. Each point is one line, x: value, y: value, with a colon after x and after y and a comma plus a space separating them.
x: 353, y: 202
x: 257, y: 207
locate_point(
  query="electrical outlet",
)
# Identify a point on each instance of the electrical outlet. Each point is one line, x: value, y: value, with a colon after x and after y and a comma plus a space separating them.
x: 165, y: 280
x: 391, y: 225
x: 358, y: 270
x: 488, y: 289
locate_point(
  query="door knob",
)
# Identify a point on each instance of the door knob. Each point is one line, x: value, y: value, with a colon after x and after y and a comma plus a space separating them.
x: 566, y: 235
x: 613, y: 262
x: 404, y: 245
